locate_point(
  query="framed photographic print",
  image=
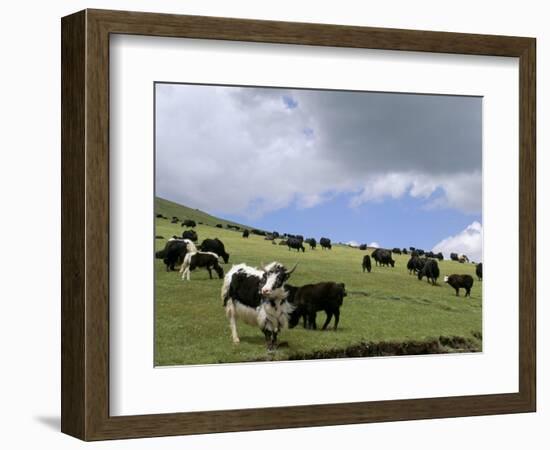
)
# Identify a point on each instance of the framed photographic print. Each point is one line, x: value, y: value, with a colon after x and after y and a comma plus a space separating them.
x: 266, y: 224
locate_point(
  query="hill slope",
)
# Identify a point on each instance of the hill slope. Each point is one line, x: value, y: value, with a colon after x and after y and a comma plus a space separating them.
x: 170, y: 209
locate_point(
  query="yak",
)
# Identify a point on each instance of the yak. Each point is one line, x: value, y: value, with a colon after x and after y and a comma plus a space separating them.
x: 460, y: 281
x: 311, y: 298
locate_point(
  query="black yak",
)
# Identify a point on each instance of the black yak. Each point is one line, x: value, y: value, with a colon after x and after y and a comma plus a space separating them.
x: 191, y: 235
x: 295, y: 243
x: 366, y: 263
x: 460, y: 281
x: 479, y: 271
x: 215, y: 246
x: 311, y: 298
x: 312, y: 243
x: 430, y: 271
x: 382, y: 257
x: 325, y: 243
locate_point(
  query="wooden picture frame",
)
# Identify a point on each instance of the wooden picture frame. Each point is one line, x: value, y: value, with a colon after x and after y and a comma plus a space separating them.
x: 85, y: 224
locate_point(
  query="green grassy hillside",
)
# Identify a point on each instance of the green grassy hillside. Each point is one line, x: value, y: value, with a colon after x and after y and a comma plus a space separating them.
x: 387, y: 311
x: 170, y: 209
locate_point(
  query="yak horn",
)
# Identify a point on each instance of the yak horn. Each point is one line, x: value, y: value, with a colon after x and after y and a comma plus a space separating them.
x: 292, y: 270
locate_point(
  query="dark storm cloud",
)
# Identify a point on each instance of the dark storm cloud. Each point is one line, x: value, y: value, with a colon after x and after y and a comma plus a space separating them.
x: 252, y: 150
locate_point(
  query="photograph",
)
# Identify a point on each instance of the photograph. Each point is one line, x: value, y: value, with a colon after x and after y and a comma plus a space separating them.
x: 303, y: 224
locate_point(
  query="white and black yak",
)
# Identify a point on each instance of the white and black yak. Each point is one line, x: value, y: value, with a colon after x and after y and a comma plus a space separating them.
x: 460, y: 281
x: 257, y: 297
x: 193, y: 260
x: 430, y: 271
x: 309, y: 299
x: 174, y: 252
x: 463, y: 258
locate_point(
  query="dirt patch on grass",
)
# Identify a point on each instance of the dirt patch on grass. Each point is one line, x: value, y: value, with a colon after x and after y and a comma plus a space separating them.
x: 443, y: 344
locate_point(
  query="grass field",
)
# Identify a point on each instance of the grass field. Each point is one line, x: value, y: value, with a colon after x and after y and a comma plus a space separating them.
x: 386, y: 307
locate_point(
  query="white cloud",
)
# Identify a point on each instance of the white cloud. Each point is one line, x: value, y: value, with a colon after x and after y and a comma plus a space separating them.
x: 374, y: 245
x: 469, y: 241
x: 244, y: 151
x: 353, y: 243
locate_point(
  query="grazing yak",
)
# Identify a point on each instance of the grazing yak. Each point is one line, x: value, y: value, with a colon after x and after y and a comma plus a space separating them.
x: 191, y: 235
x: 189, y: 223
x: 439, y: 256
x: 258, y: 232
x: 257, y: 297
x: 174, y: 220
x: 454, y: 256
x: 246, y: 233
x: 416, y: 264
x: 382, y: 257
x: 366, y: 263
x: 174, y: 252
x: 159, y: 237
x: 312, y: 243
x: 219, y: 225
x: 460, y: 281
x: 325, y: 243
x: 396, y: 250
x: 363, y: 247
x: 405, y: 252
x: 463, y: 258
x: 430, y: 271
x: 192, y: 260
x: 479, y: 271
x: 295, y: 243
x: 311, y: 298
x: 215, y: 246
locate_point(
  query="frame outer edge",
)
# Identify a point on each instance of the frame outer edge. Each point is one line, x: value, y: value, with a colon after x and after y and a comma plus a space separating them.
x: 85, y: 225
x: 528, y: 225
x: 73, y: 225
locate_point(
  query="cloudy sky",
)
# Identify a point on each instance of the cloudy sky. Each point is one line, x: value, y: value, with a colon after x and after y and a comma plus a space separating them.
x: 393, y: 169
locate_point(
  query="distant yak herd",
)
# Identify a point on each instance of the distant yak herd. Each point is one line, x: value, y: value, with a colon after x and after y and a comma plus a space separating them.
x: 263, y: 297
